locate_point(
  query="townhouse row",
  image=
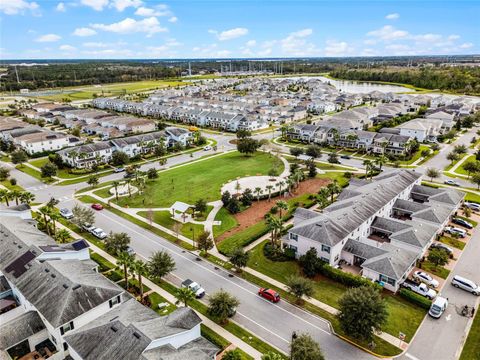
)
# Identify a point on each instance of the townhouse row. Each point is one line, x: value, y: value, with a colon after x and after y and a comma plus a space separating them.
x: 55, y: 304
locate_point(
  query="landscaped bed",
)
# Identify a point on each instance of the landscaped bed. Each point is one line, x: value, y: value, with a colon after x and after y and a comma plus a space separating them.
x: 201, y: 180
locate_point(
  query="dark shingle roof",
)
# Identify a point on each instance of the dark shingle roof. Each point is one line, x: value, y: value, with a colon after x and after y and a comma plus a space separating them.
x: 19, y: 329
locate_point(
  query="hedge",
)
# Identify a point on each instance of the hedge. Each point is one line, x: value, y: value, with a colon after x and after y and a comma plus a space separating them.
x: 344, y: 277
x: 415, y: 298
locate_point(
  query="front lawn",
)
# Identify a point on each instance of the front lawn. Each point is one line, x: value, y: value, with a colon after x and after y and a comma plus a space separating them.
x: 452, y: 242
x: 437, y: 270
x: 202, y: 179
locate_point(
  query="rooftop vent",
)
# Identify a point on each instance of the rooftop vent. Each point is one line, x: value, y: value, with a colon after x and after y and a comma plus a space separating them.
x: 137, y: 335
x: 114, y: 328
x: 47, y: 270
x: 53, y: 276
x: 65, y: 286
x: 76, y: 287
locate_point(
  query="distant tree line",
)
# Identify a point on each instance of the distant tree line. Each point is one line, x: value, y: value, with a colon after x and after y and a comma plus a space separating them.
x: 457, y: 79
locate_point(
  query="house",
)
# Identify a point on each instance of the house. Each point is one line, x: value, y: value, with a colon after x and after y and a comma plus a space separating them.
x: 422, y: 129
x: 58, y: 306
x: 178, y: 135
x: 85, y: 156
x: 382, y: 227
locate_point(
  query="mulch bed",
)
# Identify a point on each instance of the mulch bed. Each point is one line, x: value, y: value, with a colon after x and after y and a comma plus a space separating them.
x: 257, y: 211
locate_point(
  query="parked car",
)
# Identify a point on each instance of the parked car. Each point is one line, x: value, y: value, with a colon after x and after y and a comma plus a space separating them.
x: 451, y: 182
x: 196, y: 288
x: 207, y: 148
x: 97, y: 206
x: 130, y: 251
x: 455, y: 231
x: 345, y: 157
x: 66, y: 213
x: 425, y: 278
x: 438, y: 307
x: 119, y: 170
x: 473, y: 206
x: 99, y: 233
x: 439, y: 245
x: 420, y: 288
x: 466, y: 284
x: 269, y: 294
x: 88, y: 227
x: 464, y: 223
x: 129, y: 175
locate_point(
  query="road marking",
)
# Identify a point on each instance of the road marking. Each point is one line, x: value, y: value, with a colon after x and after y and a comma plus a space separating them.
x: 448, y: 317
x: 264, y: 328
x: 226, y: 279
x: 410, y: 356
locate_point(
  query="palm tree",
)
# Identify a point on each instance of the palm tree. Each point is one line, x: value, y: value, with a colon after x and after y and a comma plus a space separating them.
x: 141, y: 269
x: 15, y: 194
x: 333, y: 189
x: 125, y: 260
x: 115, y: 186
x: 27, y: 197
x: 128, y: 187
x: 259, y: 192
x: 46, y: 211
x: 280, y: 186
x: 62, y: 235
x: 282, y: 205
x: 184, y: 295
x: 368, y: 166
x: 269, y: 188
x: 274, y: 225
x: 323, y: 196
x: 4, y: 195
x: 380, y: 161
x: 54, y: 216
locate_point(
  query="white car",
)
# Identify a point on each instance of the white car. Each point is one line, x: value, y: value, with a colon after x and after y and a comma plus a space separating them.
x: 466, y: 284
x: 207, y: 148
x: 457, y: 231
x: 473, y: 206
x: 88, y: 227
x: 66, y: 213
x: 99, y: 233
x: 452, y: 182
x: 425, y: 278
x: 438, y: 307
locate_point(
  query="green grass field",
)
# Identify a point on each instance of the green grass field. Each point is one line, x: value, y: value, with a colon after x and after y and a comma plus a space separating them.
x: 228, y: 222
x: 471, y: 349
x: 203, y: 179
x: 116, y: 89
x: 164, y: 219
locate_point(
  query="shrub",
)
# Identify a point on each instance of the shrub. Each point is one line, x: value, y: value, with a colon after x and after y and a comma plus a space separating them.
x: 414, y: 298
x: 344, y: 277
x: 274, y: 253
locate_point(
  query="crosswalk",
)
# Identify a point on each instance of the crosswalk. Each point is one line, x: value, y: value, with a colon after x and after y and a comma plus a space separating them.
x: 36, y: 188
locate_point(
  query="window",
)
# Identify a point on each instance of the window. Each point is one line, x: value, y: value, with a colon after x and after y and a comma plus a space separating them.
x: 65, y: 346
x: 324, y: 259
x: 114, y: 301
x: 54, y: 340
x: 326, y: 249
x: 293, y: 237
x: 66, y: 327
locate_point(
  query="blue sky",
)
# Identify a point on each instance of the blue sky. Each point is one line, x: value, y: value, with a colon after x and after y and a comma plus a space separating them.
x: 118, y: 29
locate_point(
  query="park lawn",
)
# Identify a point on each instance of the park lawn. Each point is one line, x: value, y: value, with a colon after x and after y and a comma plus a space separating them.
x: 203, y: 216
x: 460, y: 170
x: 227, y: 222
x: 34, y: 173
x: 164, y: 219
x: 341, y: 180
x: 9, y: 186
x: 104, y: 192
x: 201, y: 180
x: 452, y: 242
x: 242, y: 238
x: 437, y: 270
x: 471, y: 349
x: 326, y: 166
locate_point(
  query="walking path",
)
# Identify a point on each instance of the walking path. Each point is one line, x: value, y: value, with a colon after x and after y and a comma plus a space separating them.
x: 457, y: 165
x: 170, y: 298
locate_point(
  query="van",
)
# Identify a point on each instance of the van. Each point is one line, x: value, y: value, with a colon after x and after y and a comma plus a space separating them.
x: 438, y: 307
x: 466, y: 284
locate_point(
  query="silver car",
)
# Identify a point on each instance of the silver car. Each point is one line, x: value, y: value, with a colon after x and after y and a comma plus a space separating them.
x: 465, y: 284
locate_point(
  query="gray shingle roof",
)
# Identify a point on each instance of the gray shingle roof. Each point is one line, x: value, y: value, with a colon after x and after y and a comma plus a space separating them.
x: 198, y: 349
x: 393, y: 263
x: 362, y: 250
x: 19, y: 329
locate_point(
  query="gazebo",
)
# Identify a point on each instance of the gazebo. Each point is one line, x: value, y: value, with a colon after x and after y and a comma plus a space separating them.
x: 179, y: 211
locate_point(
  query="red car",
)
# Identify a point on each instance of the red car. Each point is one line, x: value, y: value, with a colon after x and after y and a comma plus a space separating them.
x: 97, y: 206
x: 269, y: 294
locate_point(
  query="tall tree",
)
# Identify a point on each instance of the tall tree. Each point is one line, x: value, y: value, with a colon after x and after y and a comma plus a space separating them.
x: 299, y: 286
x: 239, y: 258
x: 432, y: 173
x: 82, y: 215
x: 141, y: 269
x: 204, y: 241
x: 362, y: 311
x: 221, y: 305
x: 184, y: 295
x: 160, y: 264
x: 19, y: 157
x: 116, y: 243
x: 303, y: 347
x: 125, y: 260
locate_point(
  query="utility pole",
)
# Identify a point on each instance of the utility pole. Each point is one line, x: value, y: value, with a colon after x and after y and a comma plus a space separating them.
x: 16, y: 72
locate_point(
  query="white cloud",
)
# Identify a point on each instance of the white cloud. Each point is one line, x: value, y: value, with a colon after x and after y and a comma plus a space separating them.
x: 453, y: 37
x: 387, y: 33
x: 13, y: 7
x: 427, y: 37
x: 84, y: 32
x: 61, y: 7
x: 97, y: 5
x: 121, y: 5
x: 67, y: 48
x: 296, y: 44
x: 149, y: 26
x: 229, y: 34
x: 158, y: 10
x: 144, y: 11
x: 173, y: 19
x: 109, y: 53
x: 466, y: 45
x: 251, y: 43
x: 370, y: 42
x: 48, y: 38
x: 393, y: 16
x: 95, y: 45
x: 337, y: 48
x: 265, y: 52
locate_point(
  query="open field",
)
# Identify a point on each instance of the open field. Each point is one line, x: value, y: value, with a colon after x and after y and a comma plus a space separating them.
x: 471, y: 350
x: 115, y: 89
x: 203, y: 179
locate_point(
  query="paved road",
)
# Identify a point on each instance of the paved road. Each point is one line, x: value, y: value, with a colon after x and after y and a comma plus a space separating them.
x: 272, y: 322
x: 443, y: 339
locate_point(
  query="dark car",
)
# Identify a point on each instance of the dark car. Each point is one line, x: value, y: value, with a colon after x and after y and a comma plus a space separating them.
x: 129, y: 175
x: 269, y: 294
x: 464, y: 223
x: 439, y: 245
x: 345, y: 157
